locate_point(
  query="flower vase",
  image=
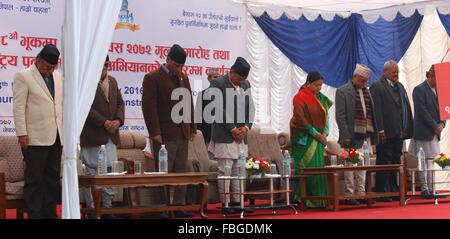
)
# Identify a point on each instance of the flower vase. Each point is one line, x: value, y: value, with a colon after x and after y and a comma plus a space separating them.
x: 258, y: 175
x: 253, y: 176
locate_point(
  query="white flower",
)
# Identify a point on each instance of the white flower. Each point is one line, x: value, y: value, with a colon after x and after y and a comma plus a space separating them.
x: 256, y: 165
x: 249, y: 164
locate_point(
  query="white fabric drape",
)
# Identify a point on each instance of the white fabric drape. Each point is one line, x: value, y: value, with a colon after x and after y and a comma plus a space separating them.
x: 87, y: 33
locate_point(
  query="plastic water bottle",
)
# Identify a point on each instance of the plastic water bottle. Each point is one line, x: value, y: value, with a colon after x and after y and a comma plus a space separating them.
x: 241, y: 165
x: 420, y: 159
x: 102, y: 168
x: 366, y: 152
x: 163, y: 157
x: 286, y: 164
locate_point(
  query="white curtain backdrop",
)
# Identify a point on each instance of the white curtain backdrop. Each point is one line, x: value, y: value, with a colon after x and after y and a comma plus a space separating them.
x: 87, y: 33
x: 275, y: 79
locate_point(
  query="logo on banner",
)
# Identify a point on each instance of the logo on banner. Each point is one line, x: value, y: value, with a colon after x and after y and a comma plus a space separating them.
x: 126, y: 18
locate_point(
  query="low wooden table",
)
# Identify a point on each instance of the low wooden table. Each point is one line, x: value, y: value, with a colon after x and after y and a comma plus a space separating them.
x: 332, y: 174
x: 170, y: 179
x: 270, y: 192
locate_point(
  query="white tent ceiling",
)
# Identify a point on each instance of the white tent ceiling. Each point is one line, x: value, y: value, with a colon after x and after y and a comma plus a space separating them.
x: 371, y: 10
x: 351, y: 6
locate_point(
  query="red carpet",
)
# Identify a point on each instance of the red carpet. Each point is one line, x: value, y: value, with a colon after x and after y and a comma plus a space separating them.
x: 416, y: 208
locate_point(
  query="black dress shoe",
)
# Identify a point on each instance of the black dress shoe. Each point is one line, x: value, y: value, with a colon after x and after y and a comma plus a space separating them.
x: 351, y: 202
x: 234, y: 204
x: 395, y: 199
x: 162, y: 215
x: 248, y: 210
x: 183, y: 214
x: 90, y: 216
x: 108, y: 216
x: 230, y: 210
x: 426, y: 195
x: 362, y: 201
x: 384, y: 200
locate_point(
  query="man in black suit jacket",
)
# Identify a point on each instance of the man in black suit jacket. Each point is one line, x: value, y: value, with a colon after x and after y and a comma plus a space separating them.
x: 203, y: 125
x: 427, y: 127
x: 394, y: 120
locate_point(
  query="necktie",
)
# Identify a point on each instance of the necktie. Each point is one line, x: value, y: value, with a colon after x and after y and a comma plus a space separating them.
x: 404, y: 109
x: 48, y: 82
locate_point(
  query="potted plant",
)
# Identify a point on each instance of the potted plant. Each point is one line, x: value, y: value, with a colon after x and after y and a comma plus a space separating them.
x: 351, y: 157
x: 256, y: 167
x: 443, y: 160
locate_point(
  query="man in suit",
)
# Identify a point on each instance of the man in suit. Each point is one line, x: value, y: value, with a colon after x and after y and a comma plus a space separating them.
x: 428, y: 127
x: 204, y: 126
x: 102, y: 124
x: 394, y: 121
x: 355, y: 118
x: 229, y: 132
x: 37, y: 107
x: 157, y: 105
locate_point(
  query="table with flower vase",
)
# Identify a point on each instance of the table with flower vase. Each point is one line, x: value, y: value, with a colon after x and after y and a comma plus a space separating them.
x: 270, y: 191
x: 332, y: 174
x: 151, y: 179
x: 435, y: 194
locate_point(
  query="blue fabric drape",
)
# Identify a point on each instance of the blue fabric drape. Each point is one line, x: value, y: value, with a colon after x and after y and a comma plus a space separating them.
x: 334, y: 47
x: 445, y: 19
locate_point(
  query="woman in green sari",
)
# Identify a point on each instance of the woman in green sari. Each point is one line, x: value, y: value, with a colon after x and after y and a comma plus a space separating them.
x: 309, y: 130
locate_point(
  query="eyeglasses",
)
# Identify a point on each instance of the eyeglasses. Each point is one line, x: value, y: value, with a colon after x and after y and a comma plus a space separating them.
x: 47, y: 66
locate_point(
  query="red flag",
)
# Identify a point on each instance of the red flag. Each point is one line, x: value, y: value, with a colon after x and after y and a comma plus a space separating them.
x: 442, y: 71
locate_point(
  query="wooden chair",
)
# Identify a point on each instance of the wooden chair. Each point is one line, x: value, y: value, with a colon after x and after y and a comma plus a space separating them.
x: 11, y: 176
x: 265, y: 143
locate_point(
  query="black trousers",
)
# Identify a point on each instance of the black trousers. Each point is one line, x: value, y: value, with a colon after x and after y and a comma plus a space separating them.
x: 177, y: 163
x: 42, y: 179
x: 388, y: 153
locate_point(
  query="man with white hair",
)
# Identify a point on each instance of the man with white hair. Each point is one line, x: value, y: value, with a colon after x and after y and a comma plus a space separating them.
x: 394, y: 120
x: 355, y: 118
x: 203, y: 125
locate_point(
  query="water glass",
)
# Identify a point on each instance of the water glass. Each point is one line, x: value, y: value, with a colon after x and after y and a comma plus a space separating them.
x: 273, y: 168
x: 227, y: 170
x: 137, y: 167
x: 117, y: 167
x: 333, y: 160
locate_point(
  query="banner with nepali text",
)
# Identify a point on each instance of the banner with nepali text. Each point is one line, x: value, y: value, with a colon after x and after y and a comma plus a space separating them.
x: 211, y: 31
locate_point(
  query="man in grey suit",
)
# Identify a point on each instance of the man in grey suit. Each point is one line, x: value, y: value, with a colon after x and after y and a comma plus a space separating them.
x: 233, y: 118
x: 355, y: 118
x: 427, y: 128
x: 394, y: 120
